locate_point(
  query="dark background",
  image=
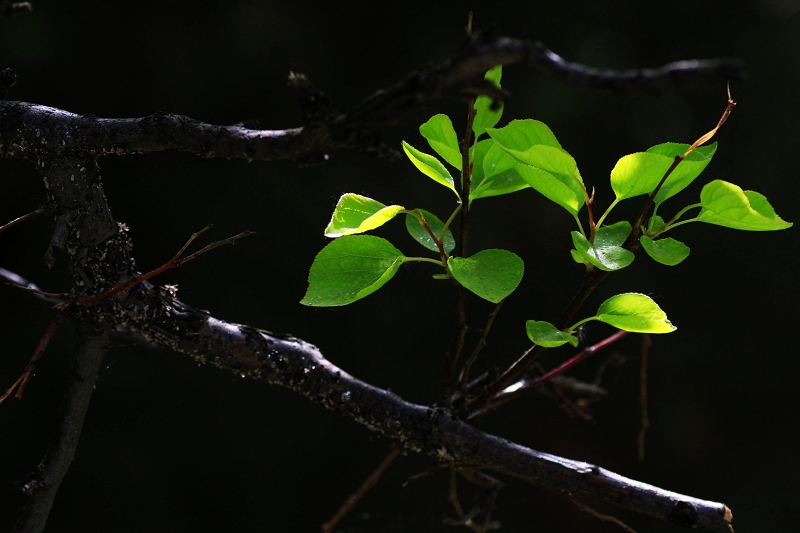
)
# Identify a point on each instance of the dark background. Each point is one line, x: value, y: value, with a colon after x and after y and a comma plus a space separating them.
x: 170, y: 446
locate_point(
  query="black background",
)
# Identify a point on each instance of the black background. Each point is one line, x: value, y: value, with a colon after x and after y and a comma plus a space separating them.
x: 170, y: 446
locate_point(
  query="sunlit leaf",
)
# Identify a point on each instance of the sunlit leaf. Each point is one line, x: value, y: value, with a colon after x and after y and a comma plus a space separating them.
x: 430, y: 166
x: 356, y: 214
x: 491, y: 274
x: 666, y: 251
x: 443, y: 139
x: 725, y: 204
x: 546, y: 335
x: 498, y: 174
x: 638, y: 173
x: 485, y: 117
x: 607, y: 252
x: 634, y: 312
x: 686, y: 172
x: 349, y: 269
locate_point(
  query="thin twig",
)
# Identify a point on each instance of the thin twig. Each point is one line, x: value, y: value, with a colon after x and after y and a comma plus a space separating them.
x: 481, y: 342
x: 530, y: 384
x: 22, y: 219
x: 634, y: 235
x: 604, y: 517
x: 27, y: 374
x: 354, y: 498
x: 176, y: 261
x: 451, y: 358
x: 646, y: 343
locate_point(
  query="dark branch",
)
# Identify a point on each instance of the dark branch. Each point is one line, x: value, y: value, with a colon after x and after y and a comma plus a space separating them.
x: 27, y: 130
x: 44, y: 482
x: 293, y: 363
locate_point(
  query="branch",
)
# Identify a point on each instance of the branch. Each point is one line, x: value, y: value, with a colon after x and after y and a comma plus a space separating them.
x: 295, y: 364
x: 66, y: 146
x: 27, y: 130
x: 45, y: 481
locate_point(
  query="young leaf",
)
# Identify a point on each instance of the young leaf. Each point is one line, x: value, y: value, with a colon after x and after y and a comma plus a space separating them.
x: 531, y: 142
x: 655, y: 223
x: 666, y: 251
x: 542, y: 163
x: 607, y: 252
x: 491, y: 274
x: 686, y: 172
x: 484, y: 116
x: 519, y: 135
x: 349, y: 269
x: 498, y: 172
x: 430, y: 166
x: 443, y: 139
x: 546, y: 335
x: 634, y: 312
x: 421, y: 235
x: 356, y: 214
x: 638, y: 173
x: 559, y: 188
x: 725, y: 204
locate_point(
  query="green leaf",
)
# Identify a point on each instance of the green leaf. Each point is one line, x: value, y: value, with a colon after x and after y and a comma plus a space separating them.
x: 607, y: 252
x: 634, y: 312
x: 725, y: 204
x: 498, y: 173
x: 519, y: 135
x: 421, y: 235
x: 559, y: 188
x: 491, y: 274
x: 349, y: 269
x: 655, y: 223
x: 531, y: 142
x: 638, y: 173
x: 546, y: 335
x: 430, y: 166
x: 666, y: 251
x: 542, y: 163
x: 686, y: 172
x: 443, y: 139
x: 356, y: 214
x: 484, y: 116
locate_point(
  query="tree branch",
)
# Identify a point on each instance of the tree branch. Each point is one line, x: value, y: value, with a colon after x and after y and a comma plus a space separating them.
x: 293, y: 363
x: 29, y: 129
x: 65, y: 148
x: 45, y: 481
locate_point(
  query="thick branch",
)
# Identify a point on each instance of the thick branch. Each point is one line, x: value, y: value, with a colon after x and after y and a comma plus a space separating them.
x: 28, y: 129
x: 293, y: 363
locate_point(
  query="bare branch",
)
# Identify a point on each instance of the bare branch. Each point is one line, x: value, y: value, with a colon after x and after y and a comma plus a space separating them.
x: 293, y: 363
x: 26, y: 129
x: 44, y: 482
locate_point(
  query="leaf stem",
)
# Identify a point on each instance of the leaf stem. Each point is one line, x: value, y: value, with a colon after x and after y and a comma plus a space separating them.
x: 428, y: 260
x: 603, y: 217
x: 528, y: 384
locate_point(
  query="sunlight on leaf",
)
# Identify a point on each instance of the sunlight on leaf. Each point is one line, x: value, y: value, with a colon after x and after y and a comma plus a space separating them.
x: 349, y: 269
x: 356, y: 214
